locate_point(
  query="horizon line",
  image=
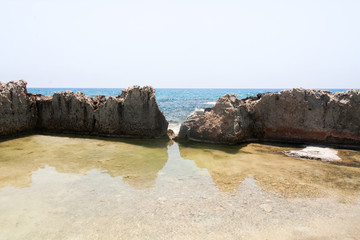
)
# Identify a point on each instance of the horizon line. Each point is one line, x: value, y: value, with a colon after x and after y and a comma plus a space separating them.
x: 185, y: 88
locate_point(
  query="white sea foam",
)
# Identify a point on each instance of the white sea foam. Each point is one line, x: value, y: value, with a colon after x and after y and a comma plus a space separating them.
x: 175, y: 127
x: 210, y: 103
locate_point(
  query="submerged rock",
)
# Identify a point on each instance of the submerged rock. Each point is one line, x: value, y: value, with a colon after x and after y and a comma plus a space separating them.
x: 266, y: 207
x: 296, y: 115
x: 134, y: 113
x: 316, y: 153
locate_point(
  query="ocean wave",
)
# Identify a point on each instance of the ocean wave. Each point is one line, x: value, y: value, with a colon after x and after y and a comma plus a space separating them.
x: 210, y: 103
x: 198, y: 110
x: 175, y: 127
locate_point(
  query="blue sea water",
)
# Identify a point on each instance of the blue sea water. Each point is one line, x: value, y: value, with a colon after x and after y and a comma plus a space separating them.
x: 176, y: 104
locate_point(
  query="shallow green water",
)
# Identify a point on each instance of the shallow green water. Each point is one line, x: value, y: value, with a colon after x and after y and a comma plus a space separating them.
x: 55, y: 187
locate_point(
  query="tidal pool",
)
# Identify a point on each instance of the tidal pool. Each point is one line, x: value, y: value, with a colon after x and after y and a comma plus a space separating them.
x: 63, y: 187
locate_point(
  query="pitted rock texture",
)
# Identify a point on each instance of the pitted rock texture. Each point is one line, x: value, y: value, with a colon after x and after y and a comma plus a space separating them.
x: 296, y: 115
x: 17, y: 109
x: 134, y: 113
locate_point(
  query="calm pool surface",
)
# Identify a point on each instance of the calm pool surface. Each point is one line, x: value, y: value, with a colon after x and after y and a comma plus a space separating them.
x: 61, y: 187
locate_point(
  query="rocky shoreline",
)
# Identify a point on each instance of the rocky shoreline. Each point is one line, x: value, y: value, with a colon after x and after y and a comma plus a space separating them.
x: 290, y: 116
x: 134, y: 113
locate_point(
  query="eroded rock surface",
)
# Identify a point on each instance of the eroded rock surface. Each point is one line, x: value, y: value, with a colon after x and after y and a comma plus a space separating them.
x: 296, y: 115
x: 17, y: 108
x: 134, y: 113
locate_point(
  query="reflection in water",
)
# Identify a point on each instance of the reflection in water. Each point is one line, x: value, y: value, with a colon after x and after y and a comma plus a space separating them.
x: 137, y: 161
x: 88, y: 188
x: 230, y: 165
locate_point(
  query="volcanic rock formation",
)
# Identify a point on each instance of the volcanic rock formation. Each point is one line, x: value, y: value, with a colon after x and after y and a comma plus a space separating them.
x: 134, y: 113
x: 296, y: 115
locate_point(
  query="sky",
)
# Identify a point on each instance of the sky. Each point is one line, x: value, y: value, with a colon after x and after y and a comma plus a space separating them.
x: 181, y: 44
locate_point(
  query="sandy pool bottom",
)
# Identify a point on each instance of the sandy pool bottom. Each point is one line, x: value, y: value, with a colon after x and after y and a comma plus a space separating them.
x: 61, y: 187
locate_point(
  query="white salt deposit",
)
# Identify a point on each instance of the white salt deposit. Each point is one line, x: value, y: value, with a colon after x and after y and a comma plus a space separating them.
x: 317, y: 153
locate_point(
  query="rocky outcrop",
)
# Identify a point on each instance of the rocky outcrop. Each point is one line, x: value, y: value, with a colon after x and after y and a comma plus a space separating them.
x: 296, y: 115
x: 134, y: 113
x: 65, y: 112
x: 17, y: 108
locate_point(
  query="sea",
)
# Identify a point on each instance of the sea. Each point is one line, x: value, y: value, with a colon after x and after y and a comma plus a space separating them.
x: 176, y: 104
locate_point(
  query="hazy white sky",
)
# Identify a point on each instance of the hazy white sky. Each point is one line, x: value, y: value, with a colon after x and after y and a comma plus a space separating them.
x: 184, y: 43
